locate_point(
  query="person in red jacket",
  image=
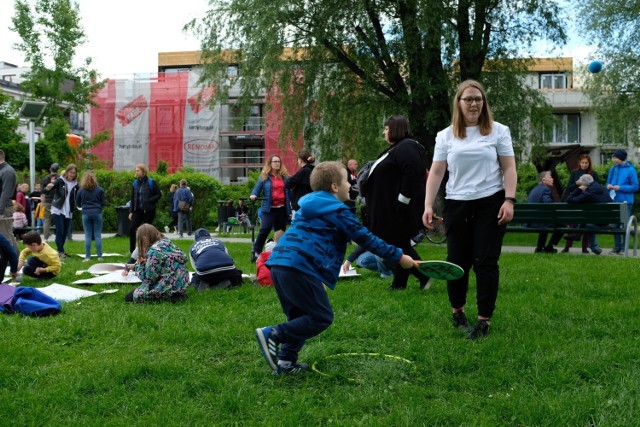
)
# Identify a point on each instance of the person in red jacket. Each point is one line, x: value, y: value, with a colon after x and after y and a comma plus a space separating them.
x: 263, y: 275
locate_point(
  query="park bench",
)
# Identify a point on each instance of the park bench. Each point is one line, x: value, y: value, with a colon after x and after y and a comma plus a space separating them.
x: 19, y: 231
x: 557, y: 216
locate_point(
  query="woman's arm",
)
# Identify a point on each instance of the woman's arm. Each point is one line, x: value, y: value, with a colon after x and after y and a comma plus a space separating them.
x: 508, y: 166
x: 436, y: 173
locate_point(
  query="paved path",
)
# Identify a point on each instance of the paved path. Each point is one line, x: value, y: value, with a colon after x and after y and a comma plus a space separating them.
x: 508, y: 249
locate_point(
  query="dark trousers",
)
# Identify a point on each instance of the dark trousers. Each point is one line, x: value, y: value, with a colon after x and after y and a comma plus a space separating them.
x: 139, y: 217
x: 63, y: 225
x: 306, y: 304
x: 474, y: 239
x: 276, y: 219
x: 401, y: 275
x: 29, y: 269
x: 215, y: 280
x: 542, y: 239
x: 4, y: 262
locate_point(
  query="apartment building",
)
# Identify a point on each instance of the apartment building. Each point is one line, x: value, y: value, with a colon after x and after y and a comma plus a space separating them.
x: 164, y: 116
x: 10, y: 78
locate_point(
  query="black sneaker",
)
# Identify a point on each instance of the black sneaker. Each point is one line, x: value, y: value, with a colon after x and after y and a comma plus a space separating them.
x: 615, y: 251
x: 481, y: 330
x: 294, y: 368
x: 268, y: 346
x: 596, y: 251
x: 460, y: 321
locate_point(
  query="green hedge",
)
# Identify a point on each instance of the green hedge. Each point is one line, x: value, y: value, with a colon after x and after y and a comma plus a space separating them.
x: 207, y: 191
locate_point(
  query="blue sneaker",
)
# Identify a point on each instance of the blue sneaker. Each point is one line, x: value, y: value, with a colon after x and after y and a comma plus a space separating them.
x: 292, y: 368
x: 268, y: 346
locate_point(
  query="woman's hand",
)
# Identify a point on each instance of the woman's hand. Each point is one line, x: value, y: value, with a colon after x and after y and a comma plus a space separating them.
x: 427, y: 218
x: 505, y: 214
x: 253, y: 198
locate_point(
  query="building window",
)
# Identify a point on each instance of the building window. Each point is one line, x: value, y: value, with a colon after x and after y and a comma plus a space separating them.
x: 233, y: 70
x: 566, y: 129
x: 255, y: 121
x: 553, y: 81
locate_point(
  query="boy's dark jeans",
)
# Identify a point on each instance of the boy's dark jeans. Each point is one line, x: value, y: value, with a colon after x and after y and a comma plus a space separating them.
x: 306, y: 304
x: 29, y: 269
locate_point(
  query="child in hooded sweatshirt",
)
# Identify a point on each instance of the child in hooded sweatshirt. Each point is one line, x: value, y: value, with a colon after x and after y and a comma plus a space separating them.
x: 308, y: 257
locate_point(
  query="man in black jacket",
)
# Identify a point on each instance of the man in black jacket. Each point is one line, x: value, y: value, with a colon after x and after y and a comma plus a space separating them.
x: 145, y: 194
x: 47, y: 198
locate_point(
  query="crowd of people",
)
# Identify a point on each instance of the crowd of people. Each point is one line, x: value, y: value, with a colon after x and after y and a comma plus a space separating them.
x: 312, y: 217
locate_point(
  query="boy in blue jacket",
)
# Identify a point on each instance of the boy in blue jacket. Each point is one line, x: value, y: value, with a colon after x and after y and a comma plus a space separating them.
x: 307, y: 257
x: 622, y: 182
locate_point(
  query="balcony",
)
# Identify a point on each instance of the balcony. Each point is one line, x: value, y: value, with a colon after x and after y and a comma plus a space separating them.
x: 565, y: 99
x: 252, y: 126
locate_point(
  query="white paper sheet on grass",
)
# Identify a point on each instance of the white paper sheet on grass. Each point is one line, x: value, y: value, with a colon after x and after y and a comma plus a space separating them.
x: 350, y: 273
x: 106, y: 267
x: 63, y: 293
x: 113, y: 277
x: 104, y: 255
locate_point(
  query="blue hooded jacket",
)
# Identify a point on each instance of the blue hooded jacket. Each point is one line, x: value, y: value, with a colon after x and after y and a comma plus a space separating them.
x: 316, y: 242
x: 625, y: 176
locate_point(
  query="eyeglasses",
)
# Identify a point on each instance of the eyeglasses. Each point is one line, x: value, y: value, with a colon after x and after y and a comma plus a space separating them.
x: 470, y: 100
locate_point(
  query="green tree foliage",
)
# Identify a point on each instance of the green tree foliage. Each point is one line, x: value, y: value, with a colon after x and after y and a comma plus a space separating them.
x: 612, y: 25
x: 9, y: 121
x: 51, y: 32
x: 340, y: 67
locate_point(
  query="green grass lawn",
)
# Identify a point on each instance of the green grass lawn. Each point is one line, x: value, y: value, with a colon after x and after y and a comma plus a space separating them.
x: 563, y: 350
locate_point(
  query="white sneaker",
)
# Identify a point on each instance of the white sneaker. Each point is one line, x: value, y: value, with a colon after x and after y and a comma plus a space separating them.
x: 166, y: 228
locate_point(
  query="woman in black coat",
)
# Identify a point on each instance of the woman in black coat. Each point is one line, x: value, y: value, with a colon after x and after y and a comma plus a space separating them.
x: 395, y: 194
x: 299, y: 183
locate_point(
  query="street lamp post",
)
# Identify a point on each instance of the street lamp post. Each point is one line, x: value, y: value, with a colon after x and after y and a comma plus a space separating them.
x: 32, y: 110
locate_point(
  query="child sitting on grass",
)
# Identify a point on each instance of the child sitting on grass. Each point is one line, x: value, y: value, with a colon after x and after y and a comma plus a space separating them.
x: 263, y: 275
x: 45, y: 262
x: 161, y: 266
x: 308, y: 257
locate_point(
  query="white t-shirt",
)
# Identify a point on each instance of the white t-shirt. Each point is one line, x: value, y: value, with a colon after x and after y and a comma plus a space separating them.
x: 472, y: 162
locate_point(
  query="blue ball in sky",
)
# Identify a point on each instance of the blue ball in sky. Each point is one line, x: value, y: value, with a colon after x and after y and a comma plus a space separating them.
x: 595, y: 67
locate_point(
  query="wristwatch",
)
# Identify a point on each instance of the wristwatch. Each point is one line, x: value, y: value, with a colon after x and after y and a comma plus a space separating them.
x: 510, y: 199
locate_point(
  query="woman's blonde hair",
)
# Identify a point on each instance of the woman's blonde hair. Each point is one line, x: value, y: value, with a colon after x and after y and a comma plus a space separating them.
x: 173, y: 188
x: 267, y: 169
x: 485, y: 121
x: 89, y: 181
x: 143, y: 168
x: 146, y: 236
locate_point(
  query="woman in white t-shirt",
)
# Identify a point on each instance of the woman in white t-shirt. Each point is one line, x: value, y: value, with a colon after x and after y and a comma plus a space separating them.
x: 480, y: 196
